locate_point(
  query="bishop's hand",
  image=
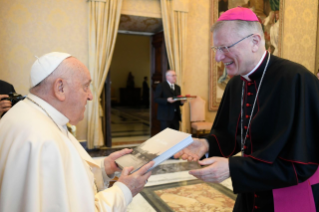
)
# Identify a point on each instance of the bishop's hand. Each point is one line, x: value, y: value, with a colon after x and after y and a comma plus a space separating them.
x: 216, y: 171
x: 194, y: 151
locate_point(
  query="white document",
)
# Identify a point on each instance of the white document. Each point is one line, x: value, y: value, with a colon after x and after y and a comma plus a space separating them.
x: 157, y: 148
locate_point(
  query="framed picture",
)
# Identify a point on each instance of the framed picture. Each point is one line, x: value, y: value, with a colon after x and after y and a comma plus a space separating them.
x: 270, y: 13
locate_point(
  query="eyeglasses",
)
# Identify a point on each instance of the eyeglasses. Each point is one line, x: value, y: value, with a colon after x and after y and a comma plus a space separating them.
x: 224, y: 49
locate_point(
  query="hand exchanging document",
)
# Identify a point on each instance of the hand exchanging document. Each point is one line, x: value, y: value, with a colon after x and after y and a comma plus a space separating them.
x: 136, y: 181
x: 216, y: 171
x: 194, y: 151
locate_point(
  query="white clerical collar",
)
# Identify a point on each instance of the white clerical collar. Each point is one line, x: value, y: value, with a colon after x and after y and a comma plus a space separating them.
x: 56, y: 115
x: 252, y: 71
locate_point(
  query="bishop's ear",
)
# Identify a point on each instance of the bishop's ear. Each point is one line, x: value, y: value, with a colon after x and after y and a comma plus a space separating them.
x: 59, y: 89
x: 256, y: 40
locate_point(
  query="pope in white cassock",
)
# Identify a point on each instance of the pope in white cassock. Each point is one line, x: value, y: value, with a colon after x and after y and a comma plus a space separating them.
x: 42, y: 166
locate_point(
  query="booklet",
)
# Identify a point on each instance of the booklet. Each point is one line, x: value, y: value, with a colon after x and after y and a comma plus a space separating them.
x: 157, y: 148
x: 180, y: 97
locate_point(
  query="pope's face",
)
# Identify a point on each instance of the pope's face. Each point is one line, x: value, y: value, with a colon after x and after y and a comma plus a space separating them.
x: 237, y: 59
x: 79, y: 94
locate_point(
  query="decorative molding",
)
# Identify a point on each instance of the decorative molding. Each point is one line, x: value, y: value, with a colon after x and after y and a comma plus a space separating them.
x: 281, y: 26
x: 213, y: 100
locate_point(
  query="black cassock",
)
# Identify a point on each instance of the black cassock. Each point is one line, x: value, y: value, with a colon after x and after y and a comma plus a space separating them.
x: 282, y: 145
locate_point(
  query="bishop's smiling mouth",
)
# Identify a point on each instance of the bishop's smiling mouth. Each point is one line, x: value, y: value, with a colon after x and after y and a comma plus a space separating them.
x: 227, y: 64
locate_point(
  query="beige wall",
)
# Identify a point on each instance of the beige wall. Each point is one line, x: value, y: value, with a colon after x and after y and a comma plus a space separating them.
x: 196, y: 73
x: 36, y: 27
x: 300, y: 32
x: 131, y: 54
x: 145, y: 8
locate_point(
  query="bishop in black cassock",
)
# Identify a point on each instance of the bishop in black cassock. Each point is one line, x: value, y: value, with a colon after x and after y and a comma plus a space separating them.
x: 270, y: 113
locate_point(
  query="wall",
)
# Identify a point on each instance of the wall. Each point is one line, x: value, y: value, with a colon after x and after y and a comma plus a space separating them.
x: 36, y: 27
x: 131, y: 54
x: 300, y: 32
x: 196, y: 73
x: 145, y: 8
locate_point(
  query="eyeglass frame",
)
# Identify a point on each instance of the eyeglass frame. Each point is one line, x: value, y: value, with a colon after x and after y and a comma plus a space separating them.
x: 222, y: 48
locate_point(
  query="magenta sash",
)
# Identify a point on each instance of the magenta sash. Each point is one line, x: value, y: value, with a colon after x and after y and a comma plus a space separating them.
x: 296, y: 198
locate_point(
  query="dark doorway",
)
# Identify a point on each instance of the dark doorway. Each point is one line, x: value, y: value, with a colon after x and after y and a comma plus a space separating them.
x: 128, y: 97
x: 159, y: 68
x: 130, y: 76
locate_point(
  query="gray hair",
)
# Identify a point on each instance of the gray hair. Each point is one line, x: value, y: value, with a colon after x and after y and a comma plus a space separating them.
x: 241, y: 27
x: 168, y: 72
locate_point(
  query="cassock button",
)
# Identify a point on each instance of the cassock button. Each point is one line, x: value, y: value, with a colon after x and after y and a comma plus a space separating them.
x: 247, y: 116
x: 249, y: 94
x: 245, y: 127
x: 245, y: 147
x: 247, y: 136
x: 256, y: 207
x: 247, y: 105
x: 256, y: 195
x: 250, y: 83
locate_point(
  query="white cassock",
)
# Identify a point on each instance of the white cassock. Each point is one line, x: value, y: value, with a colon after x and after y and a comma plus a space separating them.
x: 44, y: 168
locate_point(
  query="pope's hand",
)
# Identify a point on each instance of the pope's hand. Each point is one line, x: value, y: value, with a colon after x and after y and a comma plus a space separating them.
x: 216, y: 171
x: 136, y: 181
x: 194, y: 151
x: 5, y: 105
x: 110, y: 165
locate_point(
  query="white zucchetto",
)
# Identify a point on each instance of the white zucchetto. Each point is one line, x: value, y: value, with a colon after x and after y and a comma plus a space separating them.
x: 45, y: 65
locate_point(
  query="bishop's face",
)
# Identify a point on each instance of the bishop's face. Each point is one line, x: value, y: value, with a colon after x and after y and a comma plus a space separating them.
x: 237, y: 59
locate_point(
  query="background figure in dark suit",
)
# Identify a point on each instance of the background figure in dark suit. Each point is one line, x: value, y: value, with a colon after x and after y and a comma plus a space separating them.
x: 168, y: 111
x: 146, y: 93
x: 5, y: 89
